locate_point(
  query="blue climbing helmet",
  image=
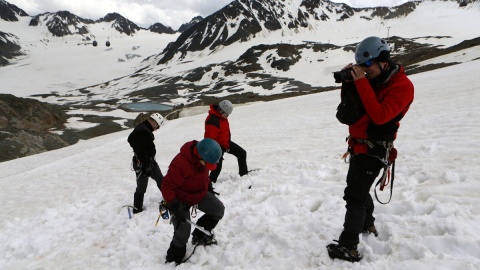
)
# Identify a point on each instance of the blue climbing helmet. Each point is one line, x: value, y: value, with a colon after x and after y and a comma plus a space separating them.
x: 209, y: 150
x: 372, y: 48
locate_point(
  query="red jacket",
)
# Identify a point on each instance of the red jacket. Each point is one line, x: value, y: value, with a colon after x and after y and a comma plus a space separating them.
x: 217, y: 128
x: 384, y: 108
x: 187, y: 179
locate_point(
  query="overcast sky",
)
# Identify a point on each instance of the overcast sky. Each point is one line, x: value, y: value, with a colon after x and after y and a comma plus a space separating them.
x: 144, y: 13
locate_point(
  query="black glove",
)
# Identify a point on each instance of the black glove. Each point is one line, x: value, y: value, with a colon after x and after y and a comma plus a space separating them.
x: 147, y: 167
x: 162, y: 208
x: 178, y: 209
x: 147, y: 172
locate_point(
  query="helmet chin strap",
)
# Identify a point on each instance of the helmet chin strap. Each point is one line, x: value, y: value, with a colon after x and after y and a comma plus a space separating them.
x: 384, y: 68
x: 378, y: 80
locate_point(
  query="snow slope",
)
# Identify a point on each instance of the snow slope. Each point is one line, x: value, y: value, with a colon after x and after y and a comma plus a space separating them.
x: 63, y: 209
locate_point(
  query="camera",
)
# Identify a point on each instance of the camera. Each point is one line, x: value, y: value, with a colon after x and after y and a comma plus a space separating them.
x: 344, y: 75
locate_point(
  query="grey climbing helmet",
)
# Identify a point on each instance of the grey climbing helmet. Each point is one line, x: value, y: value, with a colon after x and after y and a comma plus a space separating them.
x: 226, y: 106
x: 372, y: 48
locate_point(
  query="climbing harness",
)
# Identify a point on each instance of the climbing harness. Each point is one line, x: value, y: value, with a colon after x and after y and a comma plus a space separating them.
x: 387, y: 159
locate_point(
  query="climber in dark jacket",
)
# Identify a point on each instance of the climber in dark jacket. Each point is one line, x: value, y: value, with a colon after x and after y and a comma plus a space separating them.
x: 142, y: 141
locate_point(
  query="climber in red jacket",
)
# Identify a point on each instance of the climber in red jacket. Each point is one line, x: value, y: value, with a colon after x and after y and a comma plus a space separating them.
x: 380, y: 95
x: 218, y: 128
x: 185, y: 185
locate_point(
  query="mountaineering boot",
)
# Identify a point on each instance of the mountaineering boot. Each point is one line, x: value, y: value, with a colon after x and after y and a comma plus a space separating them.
x: 137, y: 203
x: 202, y: 239
x: 175, y: 254
x: 351, y: 254
x: 248, y: 171
x: 139, y: 210
x: 369, y: 230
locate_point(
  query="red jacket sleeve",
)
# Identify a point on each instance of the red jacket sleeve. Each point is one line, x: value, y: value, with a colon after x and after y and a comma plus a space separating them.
x: 398, y: 96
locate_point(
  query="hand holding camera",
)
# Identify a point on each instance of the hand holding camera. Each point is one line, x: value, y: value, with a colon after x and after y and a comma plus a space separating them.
x: 345, y: 75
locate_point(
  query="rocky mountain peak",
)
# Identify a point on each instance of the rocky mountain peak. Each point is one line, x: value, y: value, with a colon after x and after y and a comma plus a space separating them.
x: 120, y: 23
x: 161, y: 29
x: 9, y: 12
x: 242, y: 20
x: 184, y: 27
x: 60, y: 22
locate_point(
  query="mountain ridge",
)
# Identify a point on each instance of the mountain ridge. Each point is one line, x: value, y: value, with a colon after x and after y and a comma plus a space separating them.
x: 261, y: 53
x: 265, y: 15
x: 58, y: 22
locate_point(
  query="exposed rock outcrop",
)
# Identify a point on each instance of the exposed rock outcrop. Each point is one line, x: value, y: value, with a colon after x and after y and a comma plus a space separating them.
x: 25, y: 125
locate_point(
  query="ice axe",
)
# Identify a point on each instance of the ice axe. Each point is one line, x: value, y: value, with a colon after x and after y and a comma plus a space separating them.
x: 128, y: 209
x: 199, y: 227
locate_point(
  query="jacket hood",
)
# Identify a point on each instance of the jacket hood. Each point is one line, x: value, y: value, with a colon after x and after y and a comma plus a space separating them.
x: 149, y: 126
x: 214, y: 110
x: 187, y: 152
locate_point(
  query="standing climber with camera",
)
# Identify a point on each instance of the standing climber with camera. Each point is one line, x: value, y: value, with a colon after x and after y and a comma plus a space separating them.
x: 142, y: 142
x: 376, y: 94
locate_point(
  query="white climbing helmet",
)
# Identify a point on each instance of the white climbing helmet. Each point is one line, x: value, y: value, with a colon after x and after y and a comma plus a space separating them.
x: 158, y: 118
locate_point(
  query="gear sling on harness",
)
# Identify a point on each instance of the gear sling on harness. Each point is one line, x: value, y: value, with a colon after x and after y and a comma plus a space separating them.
x: 386, y: 153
